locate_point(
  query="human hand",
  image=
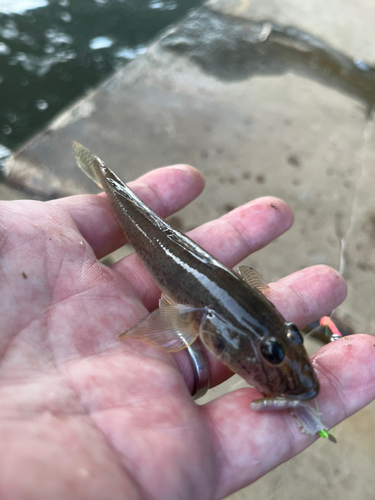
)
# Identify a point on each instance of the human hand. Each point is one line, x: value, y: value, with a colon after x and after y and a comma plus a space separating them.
x: 85, y: 415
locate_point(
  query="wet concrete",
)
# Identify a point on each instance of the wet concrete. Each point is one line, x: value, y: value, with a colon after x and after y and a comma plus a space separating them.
x: 264, y: 99
x: 232, y: 48
x: 344, y: 25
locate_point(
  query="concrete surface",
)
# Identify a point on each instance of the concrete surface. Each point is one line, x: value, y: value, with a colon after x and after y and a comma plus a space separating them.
x: 345, y: 25
x: 264, y: 98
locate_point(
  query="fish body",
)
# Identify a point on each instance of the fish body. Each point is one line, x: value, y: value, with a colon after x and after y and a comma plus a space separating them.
x: 234, y: 320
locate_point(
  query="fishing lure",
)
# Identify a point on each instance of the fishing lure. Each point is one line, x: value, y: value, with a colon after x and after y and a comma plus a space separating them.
x: 308, y: 419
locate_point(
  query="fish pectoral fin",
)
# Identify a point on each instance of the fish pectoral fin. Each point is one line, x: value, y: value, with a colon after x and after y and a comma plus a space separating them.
x: 172, y: 327
x: 166, y: 301
x: 253, y: 278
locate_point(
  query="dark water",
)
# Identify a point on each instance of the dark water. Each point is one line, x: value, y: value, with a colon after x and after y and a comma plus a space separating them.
x: 59, y: 49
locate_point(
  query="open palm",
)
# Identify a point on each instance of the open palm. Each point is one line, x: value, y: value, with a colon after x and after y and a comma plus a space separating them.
x: 85, y: 415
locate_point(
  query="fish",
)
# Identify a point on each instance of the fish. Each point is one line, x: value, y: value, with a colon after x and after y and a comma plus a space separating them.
x: 228, y: 310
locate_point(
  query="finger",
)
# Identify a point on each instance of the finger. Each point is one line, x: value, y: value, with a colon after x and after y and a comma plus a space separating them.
x: 309, y: 294
x: 244, y: 230
x: 230, y: 239
x: 165, y: 190
x: 347, y: 376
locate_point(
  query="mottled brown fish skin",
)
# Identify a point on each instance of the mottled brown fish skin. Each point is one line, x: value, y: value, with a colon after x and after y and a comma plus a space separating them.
x: 189, y: 275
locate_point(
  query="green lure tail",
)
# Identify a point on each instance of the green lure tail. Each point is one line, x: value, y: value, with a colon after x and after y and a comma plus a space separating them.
x: 325, y: 434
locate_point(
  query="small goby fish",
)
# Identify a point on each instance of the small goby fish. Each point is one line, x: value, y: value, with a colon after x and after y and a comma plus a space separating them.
x: 201, y: 297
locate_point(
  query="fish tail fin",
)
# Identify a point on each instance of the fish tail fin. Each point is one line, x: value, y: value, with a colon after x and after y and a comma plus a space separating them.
x: 88, y: 162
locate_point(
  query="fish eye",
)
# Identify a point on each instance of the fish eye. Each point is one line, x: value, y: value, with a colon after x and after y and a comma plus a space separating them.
x: 293, y: 335
x: 272, y: 351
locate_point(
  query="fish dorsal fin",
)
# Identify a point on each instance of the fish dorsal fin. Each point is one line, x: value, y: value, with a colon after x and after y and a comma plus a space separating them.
x: 253, y: 278
x: 171, y: 327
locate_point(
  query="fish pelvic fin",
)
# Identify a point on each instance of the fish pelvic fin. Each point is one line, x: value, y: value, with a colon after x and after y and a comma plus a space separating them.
x: 166, y: 301
x: 88, y: 162
x: 172, y: 327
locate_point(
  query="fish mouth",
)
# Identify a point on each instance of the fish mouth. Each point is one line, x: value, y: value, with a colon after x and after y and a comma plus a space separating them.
x: 303, y: 396
x: 312, y: 393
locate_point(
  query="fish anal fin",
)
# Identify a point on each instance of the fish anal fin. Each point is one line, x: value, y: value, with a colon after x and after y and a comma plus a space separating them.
x: 253, y: 278
x: 172, y: 327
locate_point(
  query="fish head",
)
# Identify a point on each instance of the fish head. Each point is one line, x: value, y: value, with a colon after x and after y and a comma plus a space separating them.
x: 276, y: 363
x: 287, y: 365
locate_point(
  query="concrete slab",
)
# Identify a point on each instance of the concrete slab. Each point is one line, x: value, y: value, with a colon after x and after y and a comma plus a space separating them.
x: 260, y: 109
x: 345, y: 25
